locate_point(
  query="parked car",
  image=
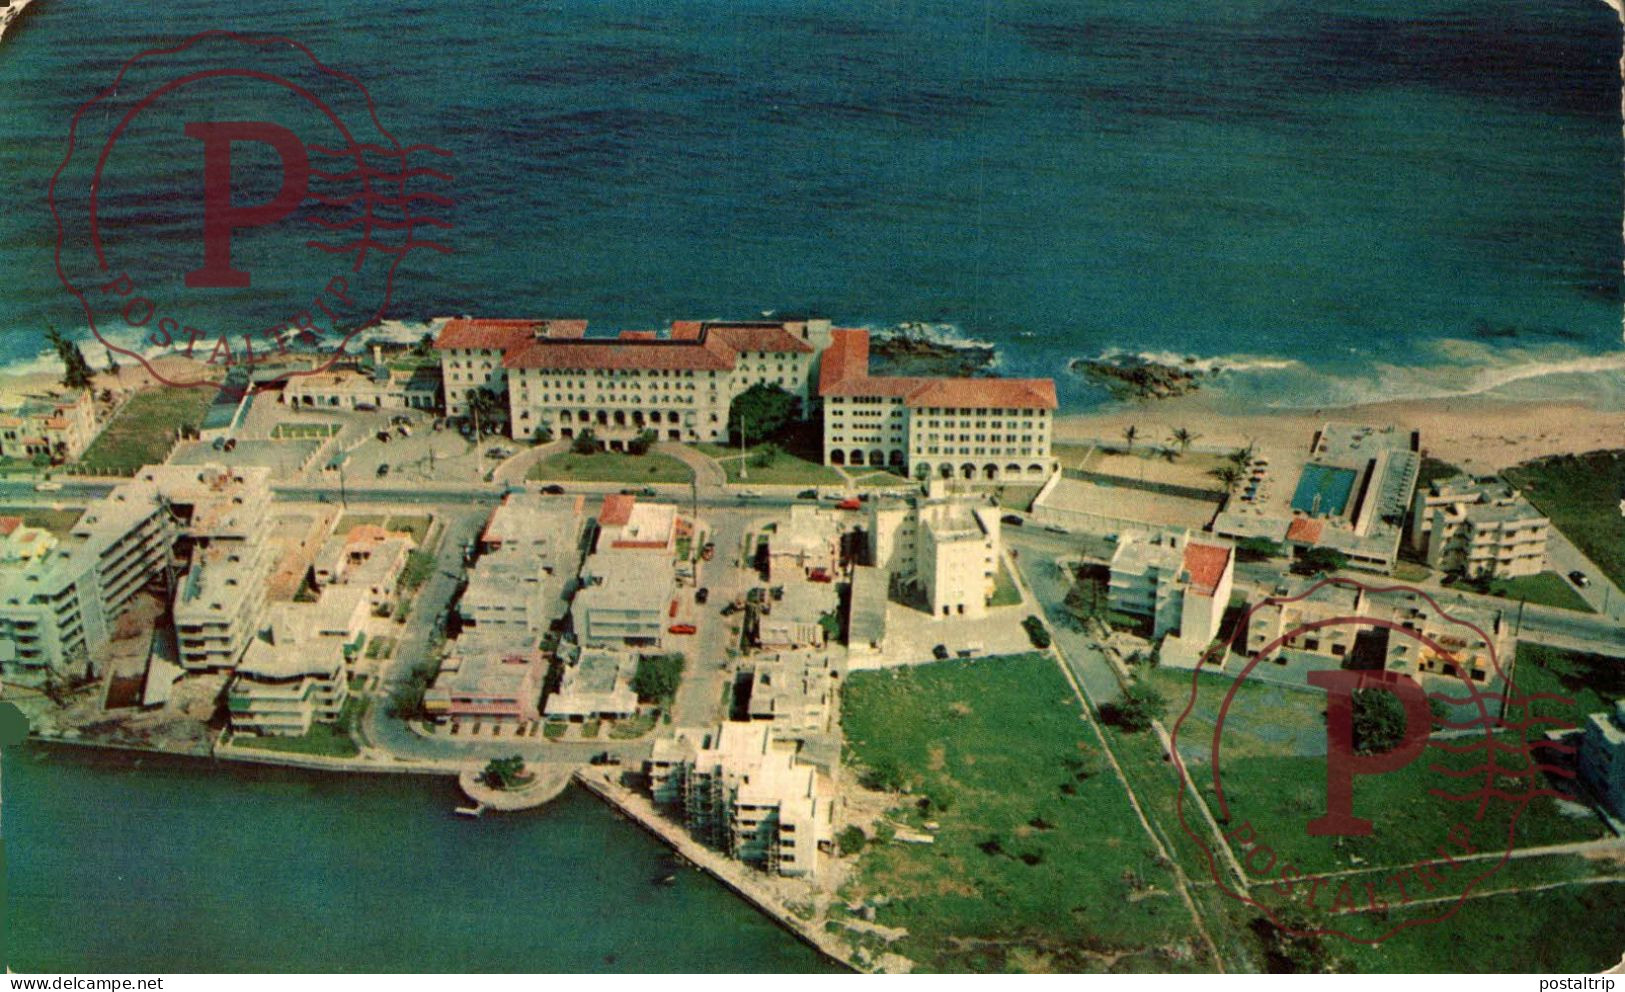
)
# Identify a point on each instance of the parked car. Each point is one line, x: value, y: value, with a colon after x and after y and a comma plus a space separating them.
x: 230, y: 445
x: 1011, y: 520
x: 400, y: 418
x: 701, y: 595
x: 605, y: 758
x: 708, y: 552
x: 1579, y: 578
x: 681, y: 628
x: 730, y: 609
x: 383, y: 470
x: 497, y: 452
x: 403, y: 430
x: 807, y: 494
x: 365, y: 407
x: 940, y: 652
x: 47, y: 487
x: 850, y: 503
x: 820, y: 575
x: 553, y: 489
x: 384, y: 436
x: 1036, y: 632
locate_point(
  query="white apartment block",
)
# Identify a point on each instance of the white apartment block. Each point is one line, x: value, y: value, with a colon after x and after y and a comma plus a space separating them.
x: 1602, y: 756
x: 946, y: 544
x: 748, y: 795
x: 1479, y: 528
x: 286, y: 683
x: 678, y: 386
x: 1180, y: 585
x: 987, y: 430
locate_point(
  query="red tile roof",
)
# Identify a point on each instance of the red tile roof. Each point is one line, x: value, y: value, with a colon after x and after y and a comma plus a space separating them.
x: 1206, y: 564
x: 844, y: 371
x: 9, y: 524
x: 759, y: 337
x: 564, y: 330
x: 686, y: 330
x: 466, y: 332
x: 617, y: 510
x: 662, y: 355
x: 1305, y: 530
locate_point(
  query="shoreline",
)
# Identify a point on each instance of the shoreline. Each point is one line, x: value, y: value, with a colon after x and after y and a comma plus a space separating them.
x: 1476, y: 433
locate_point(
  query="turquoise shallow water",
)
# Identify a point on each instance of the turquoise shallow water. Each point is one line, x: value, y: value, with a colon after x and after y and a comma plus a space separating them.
x: 152, y: 864
x: 1334, y: 200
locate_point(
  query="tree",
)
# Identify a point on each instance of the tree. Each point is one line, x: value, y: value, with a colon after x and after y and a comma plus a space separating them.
x: 1320, y: 561
x: 851, y: 839
x: 1291, y: 946
x: 424, y: 346
x: 1228, y: 476
x: 1241, y: 456
x: 112, y: 364
x: 504, y: 773
x: 1379, y: 721
x: 657, y: 677
x: 765, y: 455
x: 1129, y: 434
x: 642, y: 442
x: 1184, y: 438
x: 485, y: 407
x: 761, y: 411
x: 585, y: 443
x: 542, y: 435
x: 76, y: 372
x: 1257, y: 549
x: 1141, y: 704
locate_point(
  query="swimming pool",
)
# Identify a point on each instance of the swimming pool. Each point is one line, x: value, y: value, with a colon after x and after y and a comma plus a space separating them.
x: 1323, y: 490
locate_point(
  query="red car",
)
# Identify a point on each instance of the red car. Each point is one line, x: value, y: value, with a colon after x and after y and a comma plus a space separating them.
x: 820, y: 575
x: 681, y: 628
x: 848, y: 504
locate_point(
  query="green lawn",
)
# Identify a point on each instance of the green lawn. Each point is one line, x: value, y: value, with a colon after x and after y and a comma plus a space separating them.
x: 144, y: 429
x: 1005, y: 591
x: 58, y: 522
x: 1273, y: 769
x: 1581, y: 494
x: 785, y: 470
x: 610, y: 466
x: 635, y: 726
x: 1592, y: 682
x: 1546, y: 589
x: 1039, y: 861
x: 883, y: 480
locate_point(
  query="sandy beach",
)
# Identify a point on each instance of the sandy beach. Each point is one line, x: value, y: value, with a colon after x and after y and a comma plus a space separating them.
x: 1477, y: 434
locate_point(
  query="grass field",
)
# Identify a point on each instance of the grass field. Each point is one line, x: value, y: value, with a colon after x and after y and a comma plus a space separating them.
x: 785, y: 470
x: 58, y: 522
x: 1546, y: 589
x: 1039, y: 862
x: 1581, y: 495
x: 144, y: 429
x: 610, y: 466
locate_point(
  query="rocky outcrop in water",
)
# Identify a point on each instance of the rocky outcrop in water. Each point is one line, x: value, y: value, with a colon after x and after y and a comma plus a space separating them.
x: 1133, y: 377
x: 907, y: 354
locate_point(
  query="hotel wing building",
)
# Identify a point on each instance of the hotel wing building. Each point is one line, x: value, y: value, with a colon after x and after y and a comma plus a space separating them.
x: 990, y: 430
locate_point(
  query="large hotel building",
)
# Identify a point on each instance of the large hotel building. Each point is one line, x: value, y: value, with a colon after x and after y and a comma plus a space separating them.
x: 679, y: 386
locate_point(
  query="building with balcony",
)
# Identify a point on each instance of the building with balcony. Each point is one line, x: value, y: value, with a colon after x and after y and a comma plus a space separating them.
x: 1602, y: 756
x: 983, y: 429
x: 286, y: 682
x: 1179, y: 584
x: 1479, y: 528
x: 486, y: 678
x: 59, y: 424
x: 743, y: 792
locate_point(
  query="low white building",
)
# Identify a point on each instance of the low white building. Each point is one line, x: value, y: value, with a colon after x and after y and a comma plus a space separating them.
x: 285, y: 683
x: 1179, y: 585
x: 597, y: 685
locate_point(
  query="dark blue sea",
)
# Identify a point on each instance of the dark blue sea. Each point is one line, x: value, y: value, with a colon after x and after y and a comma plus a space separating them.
x: 1333, y: 202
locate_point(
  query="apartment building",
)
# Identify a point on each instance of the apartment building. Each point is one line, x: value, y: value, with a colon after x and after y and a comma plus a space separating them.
x: 1602, y: 756
x: 946, y: 545
x: 487, y: 678
x: 678, y: 386
x: 986, y: 430
x: 59, y: 597
x: 530, y: 551
x: 59, y: 424
x: 745, y: 793
x: 596, y: 684
x: 1178, y: 584
x: 1480, y: 528
x: 287, y: 681
x: 1402, y: 631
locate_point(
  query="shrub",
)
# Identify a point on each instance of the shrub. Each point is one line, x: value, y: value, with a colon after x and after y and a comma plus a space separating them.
x: 852, y: 839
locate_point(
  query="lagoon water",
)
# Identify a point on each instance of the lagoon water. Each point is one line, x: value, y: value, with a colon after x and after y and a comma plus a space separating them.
x: 1336, y: 201
x: 118, y: 862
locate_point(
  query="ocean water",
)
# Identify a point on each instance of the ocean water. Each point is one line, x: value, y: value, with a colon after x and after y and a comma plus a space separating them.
x: 158, y: 864
x: 1391, y: 199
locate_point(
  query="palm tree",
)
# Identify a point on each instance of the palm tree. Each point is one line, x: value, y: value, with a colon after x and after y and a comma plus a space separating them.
x: 1241, y: 456
x: 1183, y: 438
x: 1129, y: 434
x: 1229, y: 475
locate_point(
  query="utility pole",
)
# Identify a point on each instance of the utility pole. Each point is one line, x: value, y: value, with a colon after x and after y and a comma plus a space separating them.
x: 744, y: 460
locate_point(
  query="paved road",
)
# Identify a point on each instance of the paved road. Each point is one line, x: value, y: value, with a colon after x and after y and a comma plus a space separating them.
x: 699, y: 698
x: 1039, y: 565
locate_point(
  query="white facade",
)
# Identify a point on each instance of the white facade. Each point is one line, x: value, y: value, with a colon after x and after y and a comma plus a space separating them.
x: 1179, y: 585
x: 1479, y: 528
